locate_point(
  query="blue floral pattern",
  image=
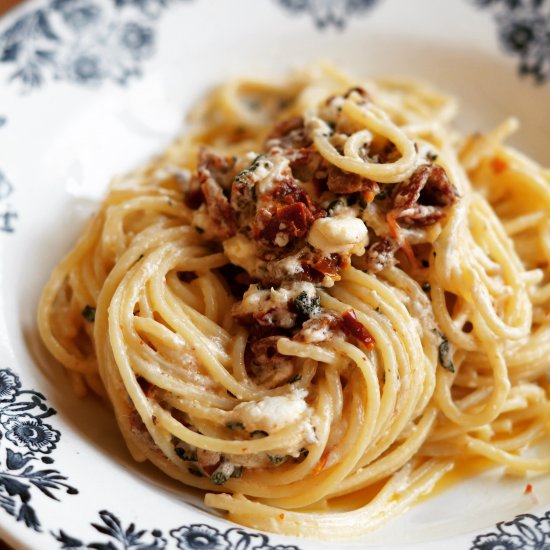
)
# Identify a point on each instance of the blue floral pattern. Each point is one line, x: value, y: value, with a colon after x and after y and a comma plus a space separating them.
x: 328, y: 13
x: 81, y: 41
x: 524, y: 31
x: 525, y: 532
x: 197, y: 536
x: 7, y: 215
x: 25, y: 441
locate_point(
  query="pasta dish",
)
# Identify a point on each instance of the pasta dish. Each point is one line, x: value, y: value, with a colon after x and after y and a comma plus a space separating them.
x: 320, y: 294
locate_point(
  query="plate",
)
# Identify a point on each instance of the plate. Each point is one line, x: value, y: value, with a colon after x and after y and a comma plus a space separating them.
x: 92, y: 88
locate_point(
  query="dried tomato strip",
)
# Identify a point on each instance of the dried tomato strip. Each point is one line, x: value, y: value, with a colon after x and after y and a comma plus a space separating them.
x: 353, y: 327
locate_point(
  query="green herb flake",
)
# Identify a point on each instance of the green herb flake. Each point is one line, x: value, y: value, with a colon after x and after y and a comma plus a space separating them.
x: 303, y: 455
x: 445, y: 354
x: 237, y: 472
x: 381, y: 196
x: 257, y: 434
x: 431, y: 156
x: 184, y: 454
x: 307, y: 305
x: 222, y: 473
x: 335, y: 204
x: 295, y: 378
x: 199, y: 230
x: 234, y: 425
x: 256, y: 162
x: 195, y: 471
x: 89, y: 313
x: 218, y: 478
x: 277, y: 459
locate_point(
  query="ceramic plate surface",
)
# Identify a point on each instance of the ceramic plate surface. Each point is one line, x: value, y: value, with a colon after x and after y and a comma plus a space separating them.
x: 92, y: 88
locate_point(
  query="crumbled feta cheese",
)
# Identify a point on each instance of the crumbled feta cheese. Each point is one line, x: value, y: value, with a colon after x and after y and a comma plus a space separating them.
x: 316, y: 333
x: 287, y: 268
x: 271, y: 305
x: 281, y: 239
x: 270, y: 171
x: 343, y: 235
x: 272, y: 413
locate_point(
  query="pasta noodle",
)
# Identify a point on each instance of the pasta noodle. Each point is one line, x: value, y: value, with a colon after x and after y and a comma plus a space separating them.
x: 319, y: 290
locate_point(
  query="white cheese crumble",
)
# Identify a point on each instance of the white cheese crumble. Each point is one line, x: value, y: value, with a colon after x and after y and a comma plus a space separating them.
x: 339, y: 234
x: 272, y: 304
x: 287, y: 268
x: 270, y: 171
x: 316, y: 333
x: 242, y: 252
x: 272, y: 413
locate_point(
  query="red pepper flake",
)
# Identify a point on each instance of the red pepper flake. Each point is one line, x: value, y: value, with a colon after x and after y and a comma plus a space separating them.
x: 244, y: 449
x: 320, y: 465
x: 409, y: 253
x: 528, y: 489
x: 353, y: 327
x: 281, y: 516
x: 498, y: 165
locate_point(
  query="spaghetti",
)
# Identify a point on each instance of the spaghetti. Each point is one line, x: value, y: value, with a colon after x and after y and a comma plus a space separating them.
x: 320, y: 289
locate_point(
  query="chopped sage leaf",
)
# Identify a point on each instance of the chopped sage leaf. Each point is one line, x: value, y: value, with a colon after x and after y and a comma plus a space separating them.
x: 222, y: 473
x: 306, y: 305
x: 218, y: 478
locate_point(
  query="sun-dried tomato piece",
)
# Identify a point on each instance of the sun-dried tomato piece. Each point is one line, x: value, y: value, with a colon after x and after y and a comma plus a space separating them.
x: 218, y: 207
x: 287, y: 222
x: 381, y: 254
x: 353, y: 327
x: 266, y: 365
x: 222, y: 169
x: 420, y: 199
x: 193, y: 198
x: 342, y: 182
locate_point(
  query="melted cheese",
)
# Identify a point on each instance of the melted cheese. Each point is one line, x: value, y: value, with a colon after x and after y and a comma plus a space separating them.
x: 272, y: 304
x: 272, y: 413
x: 339, y: 234
x: 241, y: 252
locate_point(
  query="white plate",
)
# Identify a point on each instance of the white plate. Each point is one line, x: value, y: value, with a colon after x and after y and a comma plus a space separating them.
x: 90, y: 88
